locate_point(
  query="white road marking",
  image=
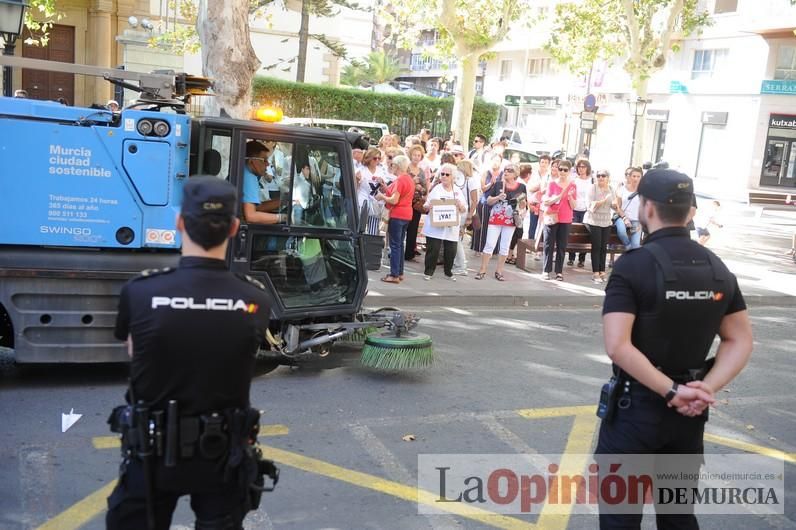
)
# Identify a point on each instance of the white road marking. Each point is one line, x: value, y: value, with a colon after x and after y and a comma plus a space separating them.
x: 459, y: 311
x: 602, y: 359
x: 394, y: 469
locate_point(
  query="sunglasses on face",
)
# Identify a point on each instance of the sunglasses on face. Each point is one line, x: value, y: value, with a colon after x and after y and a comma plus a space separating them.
x: 602, y: 176
x: 508, y: 171
x: 444, y: 174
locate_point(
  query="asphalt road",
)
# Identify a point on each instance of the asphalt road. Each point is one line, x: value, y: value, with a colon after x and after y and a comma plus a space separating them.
x: 337, y: 428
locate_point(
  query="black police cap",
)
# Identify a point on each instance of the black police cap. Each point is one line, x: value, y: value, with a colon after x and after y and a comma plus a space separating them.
x: 208, y: 196
x: 667, y: 186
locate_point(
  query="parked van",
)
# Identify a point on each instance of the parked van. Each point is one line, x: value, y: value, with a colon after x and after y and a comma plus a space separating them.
x: 372, y: 129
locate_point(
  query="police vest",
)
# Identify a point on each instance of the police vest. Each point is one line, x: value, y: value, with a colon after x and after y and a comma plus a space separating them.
x: 692, y: 299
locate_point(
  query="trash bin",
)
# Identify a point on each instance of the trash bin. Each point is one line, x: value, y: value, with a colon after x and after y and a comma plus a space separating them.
x: 374, y: 245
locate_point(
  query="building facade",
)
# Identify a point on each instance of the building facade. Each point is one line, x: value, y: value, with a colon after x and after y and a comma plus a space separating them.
x: 723, y: 109
x: 97, y: 33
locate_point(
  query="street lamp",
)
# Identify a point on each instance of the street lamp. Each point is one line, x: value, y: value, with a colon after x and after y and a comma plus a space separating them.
x: 637, y: 108
x: 12, y: 15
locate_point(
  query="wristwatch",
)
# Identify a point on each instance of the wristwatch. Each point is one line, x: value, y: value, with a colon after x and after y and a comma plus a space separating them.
x: 671, y: 393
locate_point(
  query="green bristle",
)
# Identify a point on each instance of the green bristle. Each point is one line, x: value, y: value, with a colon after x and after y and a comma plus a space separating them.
x: 397, y: 353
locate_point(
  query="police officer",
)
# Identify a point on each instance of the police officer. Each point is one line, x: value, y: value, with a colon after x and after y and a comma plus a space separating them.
x: 192, y: 333
x: 665, y: 302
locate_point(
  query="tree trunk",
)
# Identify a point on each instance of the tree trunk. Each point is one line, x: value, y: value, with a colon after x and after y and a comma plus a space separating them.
x: 464, y: 98
x: 227, y: 54
x: 639, y: 152
x: 304, y: 37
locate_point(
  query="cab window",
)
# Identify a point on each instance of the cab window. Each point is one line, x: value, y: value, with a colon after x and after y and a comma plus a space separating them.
x: 317, y: 190
x: 215, y: 155
x: 307, y: 271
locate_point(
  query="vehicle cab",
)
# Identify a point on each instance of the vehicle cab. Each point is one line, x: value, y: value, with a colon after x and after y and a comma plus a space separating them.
x: 311, y: 259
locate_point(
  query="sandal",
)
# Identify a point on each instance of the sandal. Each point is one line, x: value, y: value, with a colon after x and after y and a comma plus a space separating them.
x: 511, y: 261
x: 390, y: 279
x: 480, y: 276
x: 560, y: 277
x: 499, y: 277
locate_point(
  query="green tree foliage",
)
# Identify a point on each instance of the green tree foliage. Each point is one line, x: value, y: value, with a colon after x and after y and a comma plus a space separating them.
x: 381, y: 67
x: 403, y: 114
x: 39, y: 18
x: 466, y: 31
x: 353, y: 73
x: 639, y: 32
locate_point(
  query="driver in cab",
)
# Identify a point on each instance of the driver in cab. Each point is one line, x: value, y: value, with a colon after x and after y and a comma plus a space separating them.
x: 254, y: 168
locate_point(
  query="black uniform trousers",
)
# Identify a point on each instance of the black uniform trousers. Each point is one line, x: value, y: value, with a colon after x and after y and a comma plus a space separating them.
x: 649, y: 426
x: 216, y: 504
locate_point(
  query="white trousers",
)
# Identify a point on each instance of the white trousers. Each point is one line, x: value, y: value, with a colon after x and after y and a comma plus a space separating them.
x: 493, y: 233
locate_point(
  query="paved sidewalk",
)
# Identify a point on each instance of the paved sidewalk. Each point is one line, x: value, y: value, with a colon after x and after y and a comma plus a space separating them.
x: 760, y: 282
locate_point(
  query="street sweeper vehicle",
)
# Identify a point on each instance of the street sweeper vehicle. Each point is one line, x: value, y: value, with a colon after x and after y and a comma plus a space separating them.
x: 90, y: 198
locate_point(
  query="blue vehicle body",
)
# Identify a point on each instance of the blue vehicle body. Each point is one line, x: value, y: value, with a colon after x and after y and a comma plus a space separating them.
x: 83, y: 177
x: 88, y: 202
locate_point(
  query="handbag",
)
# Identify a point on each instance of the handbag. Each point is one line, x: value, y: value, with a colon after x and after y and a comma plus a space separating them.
x: 516, y: 217
x: 476, y: 222
x: 551, y: 218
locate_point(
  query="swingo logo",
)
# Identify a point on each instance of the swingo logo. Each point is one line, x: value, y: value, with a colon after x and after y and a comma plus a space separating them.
x: 695, y: 295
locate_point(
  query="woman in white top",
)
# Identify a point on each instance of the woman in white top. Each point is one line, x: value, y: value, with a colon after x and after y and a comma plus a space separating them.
x: 598, y: 222
x: 445, y: 237
x: 369, y: 177
x: 628, y: 227
x: 583, y: 185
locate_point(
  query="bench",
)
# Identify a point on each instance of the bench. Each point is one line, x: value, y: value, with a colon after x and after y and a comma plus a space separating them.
x: 771, y: 198
x: 577, y: 241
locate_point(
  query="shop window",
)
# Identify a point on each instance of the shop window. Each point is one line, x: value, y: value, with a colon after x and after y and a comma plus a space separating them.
x: 786, y: 63
x: 708, y: 63
x: 505, y: 69
x: 725, y: 6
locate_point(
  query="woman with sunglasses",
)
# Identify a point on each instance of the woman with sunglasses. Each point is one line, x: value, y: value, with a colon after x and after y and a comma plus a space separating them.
x: 445, y: 237
x: 598, y: 222
x: 559, y: 200
x: 503, y: 199
x: 369, y: 178
x: 583, y: 185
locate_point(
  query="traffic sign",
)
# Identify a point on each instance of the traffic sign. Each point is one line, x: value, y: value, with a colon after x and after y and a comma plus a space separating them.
x: 590, y: 103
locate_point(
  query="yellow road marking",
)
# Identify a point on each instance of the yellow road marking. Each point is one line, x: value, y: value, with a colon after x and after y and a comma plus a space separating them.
x: 557, y: 412
x: 396, y: 489
x: 751, y: 448
x: 81, y: 512
x: 574, y: 458
x: 112, y: 442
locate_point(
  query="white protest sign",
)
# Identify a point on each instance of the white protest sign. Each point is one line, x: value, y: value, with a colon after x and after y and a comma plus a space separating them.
x: 444, y: 213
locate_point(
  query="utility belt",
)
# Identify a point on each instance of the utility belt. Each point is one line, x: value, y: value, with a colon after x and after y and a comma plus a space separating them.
x: 228, y: 436
x: 167, y: 434
x: 617, y: 392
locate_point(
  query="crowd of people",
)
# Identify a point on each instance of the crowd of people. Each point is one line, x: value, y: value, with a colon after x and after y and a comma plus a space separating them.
x: 498, y: 200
